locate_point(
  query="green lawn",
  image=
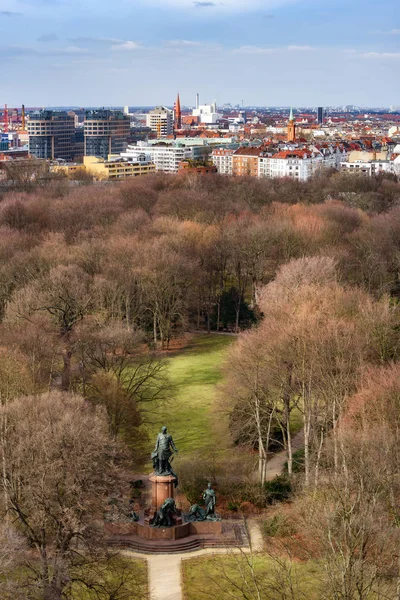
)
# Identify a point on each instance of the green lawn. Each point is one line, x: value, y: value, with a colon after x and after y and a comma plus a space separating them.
x: 194, y: 373
x: 123, y: 579
x: 229, y: 577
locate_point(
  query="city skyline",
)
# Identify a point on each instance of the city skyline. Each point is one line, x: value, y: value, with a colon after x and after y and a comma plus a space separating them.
x: 264, y: 53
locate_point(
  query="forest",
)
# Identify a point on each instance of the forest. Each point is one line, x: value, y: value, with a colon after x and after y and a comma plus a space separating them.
x: 97, y: 284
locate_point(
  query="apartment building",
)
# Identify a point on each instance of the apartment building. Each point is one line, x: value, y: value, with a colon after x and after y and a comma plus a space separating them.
x: 222, y: 159
x: 161, y: 121
x: 299, y: 164
x: 166, y: 158
x: 245, y: 162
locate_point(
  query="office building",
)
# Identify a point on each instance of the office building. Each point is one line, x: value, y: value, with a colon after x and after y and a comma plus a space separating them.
x: 106, y: 132
x: 165, y: 157
x: 161, y: 121
x: 320, y: 116
x: 116, y: 168
x: 51, y: 134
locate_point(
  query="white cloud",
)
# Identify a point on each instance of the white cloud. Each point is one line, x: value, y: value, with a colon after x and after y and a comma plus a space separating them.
x: 395, y: 55
x: 390, y: 32
x: 96, y: 40
x: 254, y: 50
x: 210, y: 6
x: 74, y: 50
x: 300, y: 48
x: 183, y: 43
x: 261, y: 50
x: 126, y: 46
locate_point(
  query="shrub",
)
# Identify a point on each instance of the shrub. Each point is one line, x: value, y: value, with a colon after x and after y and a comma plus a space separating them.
x: 277, y: 490
x: 278, y: 526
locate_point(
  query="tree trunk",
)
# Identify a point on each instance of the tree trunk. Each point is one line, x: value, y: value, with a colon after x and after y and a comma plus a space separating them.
x: 237, y: 310
x: 155, y: 329
x: 286, y: 400
x: 66, y: 373
x: 307, y: 427
x: 319, y: 453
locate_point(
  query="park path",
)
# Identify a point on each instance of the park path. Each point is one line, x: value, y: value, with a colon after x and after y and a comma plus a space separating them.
x: 164, y: 570
x: 277, y: 462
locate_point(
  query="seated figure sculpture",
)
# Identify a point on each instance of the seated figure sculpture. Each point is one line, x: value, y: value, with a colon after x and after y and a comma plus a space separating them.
x: 165, y: 516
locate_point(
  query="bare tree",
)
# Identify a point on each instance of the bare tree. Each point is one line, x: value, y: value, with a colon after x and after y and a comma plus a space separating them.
x: 58, y: 465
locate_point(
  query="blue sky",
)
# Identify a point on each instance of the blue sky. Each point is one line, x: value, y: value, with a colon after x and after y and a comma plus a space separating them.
x: 141, y: 52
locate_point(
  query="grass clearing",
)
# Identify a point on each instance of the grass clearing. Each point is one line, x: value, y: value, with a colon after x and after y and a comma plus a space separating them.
x: 194, y: 373
x: 227, y: 577
x: 124, y: 579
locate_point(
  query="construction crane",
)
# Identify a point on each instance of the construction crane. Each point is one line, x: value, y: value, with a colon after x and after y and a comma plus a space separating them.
x: 6, y: 118
x: 5, y: 129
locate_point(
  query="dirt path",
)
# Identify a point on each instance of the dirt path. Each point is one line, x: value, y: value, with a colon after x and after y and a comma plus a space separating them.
x: 276, y: 463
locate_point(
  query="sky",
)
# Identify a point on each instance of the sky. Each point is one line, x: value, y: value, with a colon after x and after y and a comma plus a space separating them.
x: 142, y: 52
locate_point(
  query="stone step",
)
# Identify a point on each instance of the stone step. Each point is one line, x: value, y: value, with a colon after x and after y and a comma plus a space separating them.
x: 147, y: 547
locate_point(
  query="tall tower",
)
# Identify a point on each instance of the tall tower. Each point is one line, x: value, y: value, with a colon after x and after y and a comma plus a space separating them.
x: 291, y: 132
x: 178, y: 113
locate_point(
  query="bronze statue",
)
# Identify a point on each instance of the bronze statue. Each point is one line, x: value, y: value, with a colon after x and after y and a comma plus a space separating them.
x: 162, y: 453
x: 210, y: 500
x: 165, y: 517
x: 196, y: 513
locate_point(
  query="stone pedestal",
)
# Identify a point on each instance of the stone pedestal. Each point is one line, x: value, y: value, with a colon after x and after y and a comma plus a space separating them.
x: 163, y: 487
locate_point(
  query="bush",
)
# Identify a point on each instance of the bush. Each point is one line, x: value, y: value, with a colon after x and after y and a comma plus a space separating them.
x: 277, y: 490
x: 278, y: 526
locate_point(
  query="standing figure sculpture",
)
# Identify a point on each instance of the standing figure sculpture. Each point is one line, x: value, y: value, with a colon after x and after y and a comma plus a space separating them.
x: 210, y: 500
x: 162, y: 453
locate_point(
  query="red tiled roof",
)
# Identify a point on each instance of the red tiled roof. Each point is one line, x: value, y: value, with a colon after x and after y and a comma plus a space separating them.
x: 293, y: 153
x: 248, y: 151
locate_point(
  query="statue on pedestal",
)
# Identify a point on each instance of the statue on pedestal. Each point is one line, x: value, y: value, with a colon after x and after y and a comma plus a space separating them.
x: 210, y: 499
x: 166, y: 515
x: 208, y: 513
x: 162, y: 454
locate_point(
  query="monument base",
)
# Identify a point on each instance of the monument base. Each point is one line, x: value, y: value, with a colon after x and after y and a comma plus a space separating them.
x: 182, y: 538
x: 163, y: 487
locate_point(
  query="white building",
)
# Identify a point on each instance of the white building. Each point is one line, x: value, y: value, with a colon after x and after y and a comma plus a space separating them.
x: 299, y: 164
x: 161, y: 120
x: 373, y: 167
x: 166, y: 158
x: 207, y: 112
x: 222, y: 159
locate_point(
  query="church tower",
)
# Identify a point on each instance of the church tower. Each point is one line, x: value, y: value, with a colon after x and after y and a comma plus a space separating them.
x: 178, y: 114
x: 291, y: 132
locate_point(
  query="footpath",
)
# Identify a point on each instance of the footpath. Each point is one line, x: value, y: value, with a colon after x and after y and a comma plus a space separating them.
x: 164, y: 570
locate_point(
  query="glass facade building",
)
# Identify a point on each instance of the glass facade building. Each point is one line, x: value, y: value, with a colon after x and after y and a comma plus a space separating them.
x: 106, y: 132
x: 51, y: 135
